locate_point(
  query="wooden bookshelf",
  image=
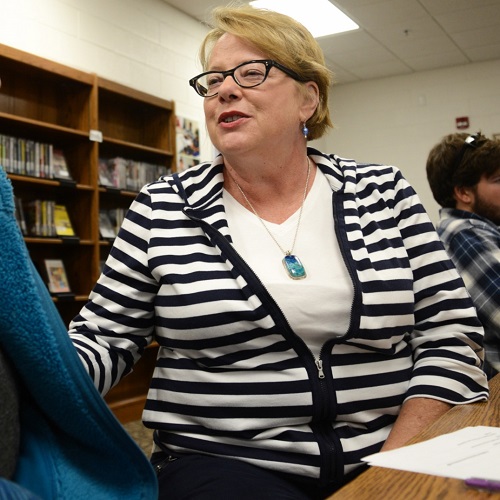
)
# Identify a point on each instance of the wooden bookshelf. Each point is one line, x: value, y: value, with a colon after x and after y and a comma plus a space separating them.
x: 88, y: 118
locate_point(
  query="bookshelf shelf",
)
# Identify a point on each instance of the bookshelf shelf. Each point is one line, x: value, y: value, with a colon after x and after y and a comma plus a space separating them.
x: 33, y: 240
x: 117, y: 143
x: 55, y: 183
x: 57, y: 108
x: 25, y: 123
x: 117, y: 192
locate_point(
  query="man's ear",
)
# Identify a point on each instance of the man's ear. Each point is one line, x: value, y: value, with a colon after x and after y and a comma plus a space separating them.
x: 464, y: 196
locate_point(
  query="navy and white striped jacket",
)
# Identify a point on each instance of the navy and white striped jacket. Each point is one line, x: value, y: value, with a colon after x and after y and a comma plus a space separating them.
x: 232, y: 378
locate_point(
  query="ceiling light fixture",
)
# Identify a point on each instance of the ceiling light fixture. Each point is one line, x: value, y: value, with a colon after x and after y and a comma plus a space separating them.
x: 320, y: 17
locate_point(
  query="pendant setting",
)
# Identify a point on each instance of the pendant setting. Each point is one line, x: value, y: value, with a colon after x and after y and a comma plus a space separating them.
x: 294, y: 267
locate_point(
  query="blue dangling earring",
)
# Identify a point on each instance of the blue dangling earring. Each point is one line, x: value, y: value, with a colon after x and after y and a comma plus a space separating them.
x: 305, y: 130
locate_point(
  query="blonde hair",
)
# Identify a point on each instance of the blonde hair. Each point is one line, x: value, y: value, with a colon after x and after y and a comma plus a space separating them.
x: 283, y: 39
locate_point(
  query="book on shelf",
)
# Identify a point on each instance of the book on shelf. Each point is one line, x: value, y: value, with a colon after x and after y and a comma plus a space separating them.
x: 122, y: 173
x: 20, y: 218
x: 62, y: 222
x: 106, y: 226
x: 40, y: 218
x: 34, y: 217
x: 41, y: 166
x: 48, y: 226
x: 37, y: 159
x: 105, y: 177
x: 117, y: 168
x: 45, y: 218
x: 117, y: 215
x: 57, y: 280
x: 60, y: 166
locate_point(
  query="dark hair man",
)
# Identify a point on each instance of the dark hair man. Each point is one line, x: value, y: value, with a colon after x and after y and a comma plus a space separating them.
x: 464, y: 175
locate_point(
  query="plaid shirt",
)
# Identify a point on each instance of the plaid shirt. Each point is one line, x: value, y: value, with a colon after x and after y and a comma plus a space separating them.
x: 473, y: 244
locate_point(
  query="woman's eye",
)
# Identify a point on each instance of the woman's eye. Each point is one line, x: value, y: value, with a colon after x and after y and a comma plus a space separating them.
x: 252, y: 75
x: 214, y: 80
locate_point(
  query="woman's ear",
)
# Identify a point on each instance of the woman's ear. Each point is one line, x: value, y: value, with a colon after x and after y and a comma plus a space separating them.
x: 312, y: 99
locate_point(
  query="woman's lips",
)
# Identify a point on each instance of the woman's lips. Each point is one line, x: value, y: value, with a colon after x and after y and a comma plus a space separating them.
x: 231, y: 117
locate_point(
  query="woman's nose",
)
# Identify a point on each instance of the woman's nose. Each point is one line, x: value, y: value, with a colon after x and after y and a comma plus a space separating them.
x: 229, y: 87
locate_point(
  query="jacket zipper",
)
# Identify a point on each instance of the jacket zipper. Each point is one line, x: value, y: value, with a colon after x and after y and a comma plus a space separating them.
x: 319, y: 366
x: 321, y: 410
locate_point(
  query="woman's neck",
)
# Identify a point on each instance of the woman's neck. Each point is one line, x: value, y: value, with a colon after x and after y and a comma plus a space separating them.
x: 274, y: 189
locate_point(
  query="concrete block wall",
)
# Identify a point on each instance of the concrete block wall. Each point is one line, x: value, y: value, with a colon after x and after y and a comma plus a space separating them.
x: 398, y: 120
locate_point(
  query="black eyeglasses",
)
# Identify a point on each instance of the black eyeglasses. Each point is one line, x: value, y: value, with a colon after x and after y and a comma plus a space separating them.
x: 471, y: 142
x: 247, y: 75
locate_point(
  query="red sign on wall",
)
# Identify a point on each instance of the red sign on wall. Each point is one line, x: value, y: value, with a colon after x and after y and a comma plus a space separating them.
x: 462, y: 122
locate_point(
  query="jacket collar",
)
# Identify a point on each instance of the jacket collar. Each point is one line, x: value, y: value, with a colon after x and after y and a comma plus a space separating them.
x: 201, y: 186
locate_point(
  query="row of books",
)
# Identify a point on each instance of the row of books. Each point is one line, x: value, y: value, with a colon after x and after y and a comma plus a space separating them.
x: 120, y: 173
x: 46, y: 218
x: 37, y: 159
x: 43, y: 218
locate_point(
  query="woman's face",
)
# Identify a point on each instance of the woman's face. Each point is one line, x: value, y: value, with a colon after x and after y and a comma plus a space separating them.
x: 252, y: 120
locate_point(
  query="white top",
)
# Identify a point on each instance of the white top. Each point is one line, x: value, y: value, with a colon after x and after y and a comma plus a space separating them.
x: 317, y: 307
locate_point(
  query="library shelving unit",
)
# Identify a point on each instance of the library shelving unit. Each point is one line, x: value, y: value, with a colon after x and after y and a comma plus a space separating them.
x: 89, y: 119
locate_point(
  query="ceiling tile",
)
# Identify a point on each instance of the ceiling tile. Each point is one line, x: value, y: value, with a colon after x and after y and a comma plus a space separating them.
x: 436, y: 60
x: 353, y: 41
x: 470, y: 19
x: 377, y: 69
x: 447, y: 7
x: 478, y: 37
x: 386, y: 13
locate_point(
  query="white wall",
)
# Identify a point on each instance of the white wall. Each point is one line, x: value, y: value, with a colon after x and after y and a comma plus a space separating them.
x: 397, y: 120
x: 144, y: 44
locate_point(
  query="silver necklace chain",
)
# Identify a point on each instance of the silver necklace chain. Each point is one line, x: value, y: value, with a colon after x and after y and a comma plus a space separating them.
x: 289, y: 252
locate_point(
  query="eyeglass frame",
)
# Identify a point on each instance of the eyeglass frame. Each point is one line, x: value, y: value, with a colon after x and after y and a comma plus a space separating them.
x: 269, y: 63
x: 471, y: 142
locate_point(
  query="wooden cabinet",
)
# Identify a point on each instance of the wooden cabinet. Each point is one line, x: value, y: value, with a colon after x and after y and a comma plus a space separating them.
x: 91, y: 120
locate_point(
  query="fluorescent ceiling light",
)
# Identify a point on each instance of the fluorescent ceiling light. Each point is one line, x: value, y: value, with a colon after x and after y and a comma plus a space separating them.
x: 320, y: 17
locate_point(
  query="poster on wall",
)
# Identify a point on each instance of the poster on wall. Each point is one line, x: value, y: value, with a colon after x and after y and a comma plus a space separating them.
x: 187, y: 143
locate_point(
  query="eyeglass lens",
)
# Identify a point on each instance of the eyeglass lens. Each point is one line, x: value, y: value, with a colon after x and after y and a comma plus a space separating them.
x: 246, y: 75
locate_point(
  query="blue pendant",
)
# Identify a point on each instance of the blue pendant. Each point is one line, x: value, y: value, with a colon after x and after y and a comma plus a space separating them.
x: 294, y: 267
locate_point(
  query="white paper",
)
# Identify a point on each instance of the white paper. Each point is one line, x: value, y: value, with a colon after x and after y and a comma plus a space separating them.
x: 469, y: 452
